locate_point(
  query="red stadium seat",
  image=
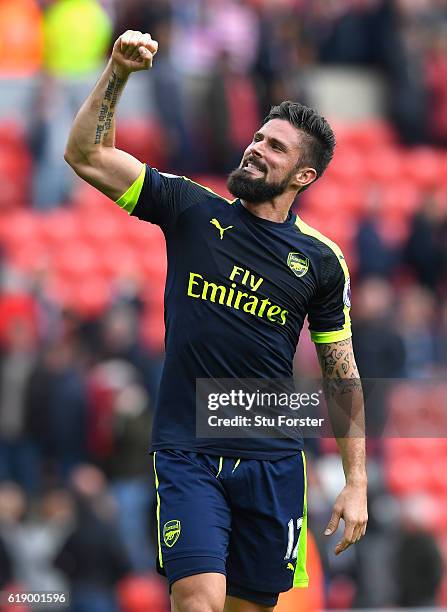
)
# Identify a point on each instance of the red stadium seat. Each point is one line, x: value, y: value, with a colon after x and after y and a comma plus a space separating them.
x: 426, y: 511
x: 118, y: 259
x: 143, y: 594
x: 347, y: 166
x: 143, y: 236
x: 436, y: 475
x: 20, y: 228
x: 59, y: 228
x: 406, y: 475
x: 89, y: 296
x: 397, y: 449
x: 442, y: 179
x: 383, y: 164
x: 101, y: 229
x: 325, y: 197
x: 14, y: 308
x: 90, y: 202
x: 15, y: 164
x: 154, y: 264
x: 31, y: 256
x: 406, y: 403
x: 401, y: 197
x: 366, y: 134
x: 76, y: 260
x: 423, y: 167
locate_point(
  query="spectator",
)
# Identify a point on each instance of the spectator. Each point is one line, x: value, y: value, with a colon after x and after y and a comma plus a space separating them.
x: 375, y: 257
x: 407, y: 83
x: 416, y: 323
x: 171, y: 104
x: 424, y: 250
x: 437, y: 86
x: 70, y: 65
x: 34, y: 541
x: 5, y: 566
x: 378, y: 349
x: 419, y: 570
x: 57, y: 408
x: 142, y: 16
x: 232, y: 113
x: 130, y: 472
x: 22, y: 47
x: 120, y: 340
x: 22, y: 38
x: 93, y: 557
x: 18, y: 453
x: 12, y: 512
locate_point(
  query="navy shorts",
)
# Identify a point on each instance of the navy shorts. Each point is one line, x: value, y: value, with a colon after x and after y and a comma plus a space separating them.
x: 245, y: 518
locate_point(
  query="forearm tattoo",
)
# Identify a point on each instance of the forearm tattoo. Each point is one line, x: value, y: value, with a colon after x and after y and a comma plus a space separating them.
x: 107, y: 110
x: 342, y: 388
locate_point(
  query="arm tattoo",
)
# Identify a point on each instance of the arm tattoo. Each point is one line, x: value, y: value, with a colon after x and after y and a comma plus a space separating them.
x: 107, y: 110
x: 337, y: 360
x: 342, y: 387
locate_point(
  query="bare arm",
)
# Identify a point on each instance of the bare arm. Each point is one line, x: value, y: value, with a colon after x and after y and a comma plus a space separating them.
x: 344, y: 397
x: 90, y: 149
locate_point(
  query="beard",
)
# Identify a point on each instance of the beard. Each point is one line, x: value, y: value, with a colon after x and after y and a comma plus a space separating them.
x: 254, y: 190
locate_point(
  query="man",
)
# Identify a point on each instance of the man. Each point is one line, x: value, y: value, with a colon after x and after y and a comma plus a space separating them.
x: 241, y: 278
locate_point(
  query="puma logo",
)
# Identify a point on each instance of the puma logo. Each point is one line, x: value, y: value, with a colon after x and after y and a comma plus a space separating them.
x: 290, y: 567
x: 221, y: 229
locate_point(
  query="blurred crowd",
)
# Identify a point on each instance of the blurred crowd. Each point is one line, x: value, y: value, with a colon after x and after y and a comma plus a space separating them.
x: 221, y: 65
x: 77, y: 392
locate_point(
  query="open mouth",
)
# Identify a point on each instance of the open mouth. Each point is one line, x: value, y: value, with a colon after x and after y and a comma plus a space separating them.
x: 253, y: 168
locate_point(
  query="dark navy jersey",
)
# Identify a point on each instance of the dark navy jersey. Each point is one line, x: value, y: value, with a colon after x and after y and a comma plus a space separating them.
x: 238, y: 290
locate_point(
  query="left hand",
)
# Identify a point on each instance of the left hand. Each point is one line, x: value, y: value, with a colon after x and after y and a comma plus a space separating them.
x: 350, y: 506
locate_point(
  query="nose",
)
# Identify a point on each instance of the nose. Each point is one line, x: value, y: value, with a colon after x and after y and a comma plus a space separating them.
x: 256, y: 149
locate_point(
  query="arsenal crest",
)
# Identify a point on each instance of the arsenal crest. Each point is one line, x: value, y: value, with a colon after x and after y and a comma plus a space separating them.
x: 298, y: 263
x: 171, y: 532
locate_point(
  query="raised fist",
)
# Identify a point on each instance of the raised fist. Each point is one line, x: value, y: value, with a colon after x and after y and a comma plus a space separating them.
x: 134, y: 51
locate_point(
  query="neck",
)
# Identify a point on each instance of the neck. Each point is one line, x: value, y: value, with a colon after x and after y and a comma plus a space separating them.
x: 276, y: 210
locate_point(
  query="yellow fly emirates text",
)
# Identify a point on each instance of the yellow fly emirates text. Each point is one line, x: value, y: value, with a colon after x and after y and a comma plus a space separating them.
x: 231, y: 297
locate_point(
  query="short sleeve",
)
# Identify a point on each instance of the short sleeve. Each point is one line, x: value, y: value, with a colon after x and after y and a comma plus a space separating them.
x: 158, y: 197
x: 328, y: 313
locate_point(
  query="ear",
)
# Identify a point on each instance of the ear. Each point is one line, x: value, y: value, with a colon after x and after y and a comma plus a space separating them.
x: 304, y: 177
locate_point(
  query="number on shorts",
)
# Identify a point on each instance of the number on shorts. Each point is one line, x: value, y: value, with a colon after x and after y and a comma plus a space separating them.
x: 291, y: 551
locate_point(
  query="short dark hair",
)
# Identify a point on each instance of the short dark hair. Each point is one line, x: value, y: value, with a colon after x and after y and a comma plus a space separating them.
x: 319, y: 140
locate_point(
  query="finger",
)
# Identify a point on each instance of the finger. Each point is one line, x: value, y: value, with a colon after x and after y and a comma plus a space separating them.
x: 348, y: 534
x: 138, y: 42
x: 145, y: 59
x: 146, y: 49
x: 333, y: 523
x: 342, y: 546
x: 153, y: 47
x: 132, y: 52
x: 357, y: 535
x: 143, y: 43
x: 149, y: 43
x: 132, y: 45
x: 125, y: 40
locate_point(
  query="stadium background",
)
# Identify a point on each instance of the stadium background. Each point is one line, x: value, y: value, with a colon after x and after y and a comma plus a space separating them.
x: 81, y: 312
